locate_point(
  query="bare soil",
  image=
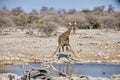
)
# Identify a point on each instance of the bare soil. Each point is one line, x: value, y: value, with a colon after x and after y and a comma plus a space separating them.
x: 91, y: 46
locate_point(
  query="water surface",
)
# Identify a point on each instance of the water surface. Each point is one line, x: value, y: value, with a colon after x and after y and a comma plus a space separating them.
x: 94, y: 70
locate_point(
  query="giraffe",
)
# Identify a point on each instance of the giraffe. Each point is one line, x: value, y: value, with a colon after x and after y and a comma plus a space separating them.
x: 63, y: 39
x: 74, y: 29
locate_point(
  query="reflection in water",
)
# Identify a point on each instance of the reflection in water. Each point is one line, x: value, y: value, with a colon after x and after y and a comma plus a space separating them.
x: 94, y: 70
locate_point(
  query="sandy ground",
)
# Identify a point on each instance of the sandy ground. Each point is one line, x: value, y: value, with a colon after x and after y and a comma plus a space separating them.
x: 91, y: 46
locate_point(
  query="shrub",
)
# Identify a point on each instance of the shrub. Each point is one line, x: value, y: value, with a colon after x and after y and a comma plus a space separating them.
x: 83, y: 24
x: 29, y: 32
x: 86, y: 10
x: 110, y: 22
x: 6, y: 22
x: 48, y: 29
x: 97, y: 26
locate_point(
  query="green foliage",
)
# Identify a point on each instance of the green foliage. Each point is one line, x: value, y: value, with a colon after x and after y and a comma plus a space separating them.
x: 97, y: 26
x: 86, y: 10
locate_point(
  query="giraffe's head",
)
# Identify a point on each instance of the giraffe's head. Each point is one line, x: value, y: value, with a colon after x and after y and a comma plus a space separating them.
x: 73, y: 26
x: 72, y: 23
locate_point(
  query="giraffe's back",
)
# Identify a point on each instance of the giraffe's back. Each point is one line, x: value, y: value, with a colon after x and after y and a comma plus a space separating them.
x: 63, y: 39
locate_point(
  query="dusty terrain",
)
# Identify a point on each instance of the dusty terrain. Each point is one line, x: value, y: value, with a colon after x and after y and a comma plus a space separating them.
x: 95, y: 46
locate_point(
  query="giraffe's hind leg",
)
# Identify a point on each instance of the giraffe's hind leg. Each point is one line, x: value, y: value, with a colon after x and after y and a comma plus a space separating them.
x: 56, y: 50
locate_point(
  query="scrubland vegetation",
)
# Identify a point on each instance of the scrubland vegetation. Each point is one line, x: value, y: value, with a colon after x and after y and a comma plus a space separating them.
x: 47, y: 20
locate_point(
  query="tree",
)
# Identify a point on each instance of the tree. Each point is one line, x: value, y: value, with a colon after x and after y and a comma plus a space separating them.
x: 92, y: 19
x: 62, y: 11
x: 4, y: 11
x: 16, y: 11
x: 72, y: 11
x: 34, y: 11
x: 4, y: 8
x: 99, y: 8
x: 51, y: 9
x: 86, y: 10
x: 110, y: 8
x: 44, y: 9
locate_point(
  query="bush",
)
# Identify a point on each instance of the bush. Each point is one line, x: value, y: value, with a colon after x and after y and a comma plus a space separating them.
x: 97, y: 26
x: 29, y: 32
x: 48, y: 29
x: 110, y: 22
x: 83, y: 24
x: 86, y: 10
x: 6, y: 22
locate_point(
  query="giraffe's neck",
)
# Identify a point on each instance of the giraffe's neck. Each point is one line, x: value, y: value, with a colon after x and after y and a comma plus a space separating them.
x: 67, y: 33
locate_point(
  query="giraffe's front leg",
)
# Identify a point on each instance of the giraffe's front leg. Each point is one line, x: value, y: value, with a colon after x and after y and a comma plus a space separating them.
x: 63, y: 47
x: 59, y: 49
x: 67, y: 48
x: 55, y: 51
x: 74, y: 30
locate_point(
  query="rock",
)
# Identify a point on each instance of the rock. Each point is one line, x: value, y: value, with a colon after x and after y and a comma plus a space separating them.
x: 9, y: 76
x: 115, y: 77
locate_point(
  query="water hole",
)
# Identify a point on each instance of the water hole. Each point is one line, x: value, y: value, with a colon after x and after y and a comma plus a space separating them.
x: 89, y: 69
